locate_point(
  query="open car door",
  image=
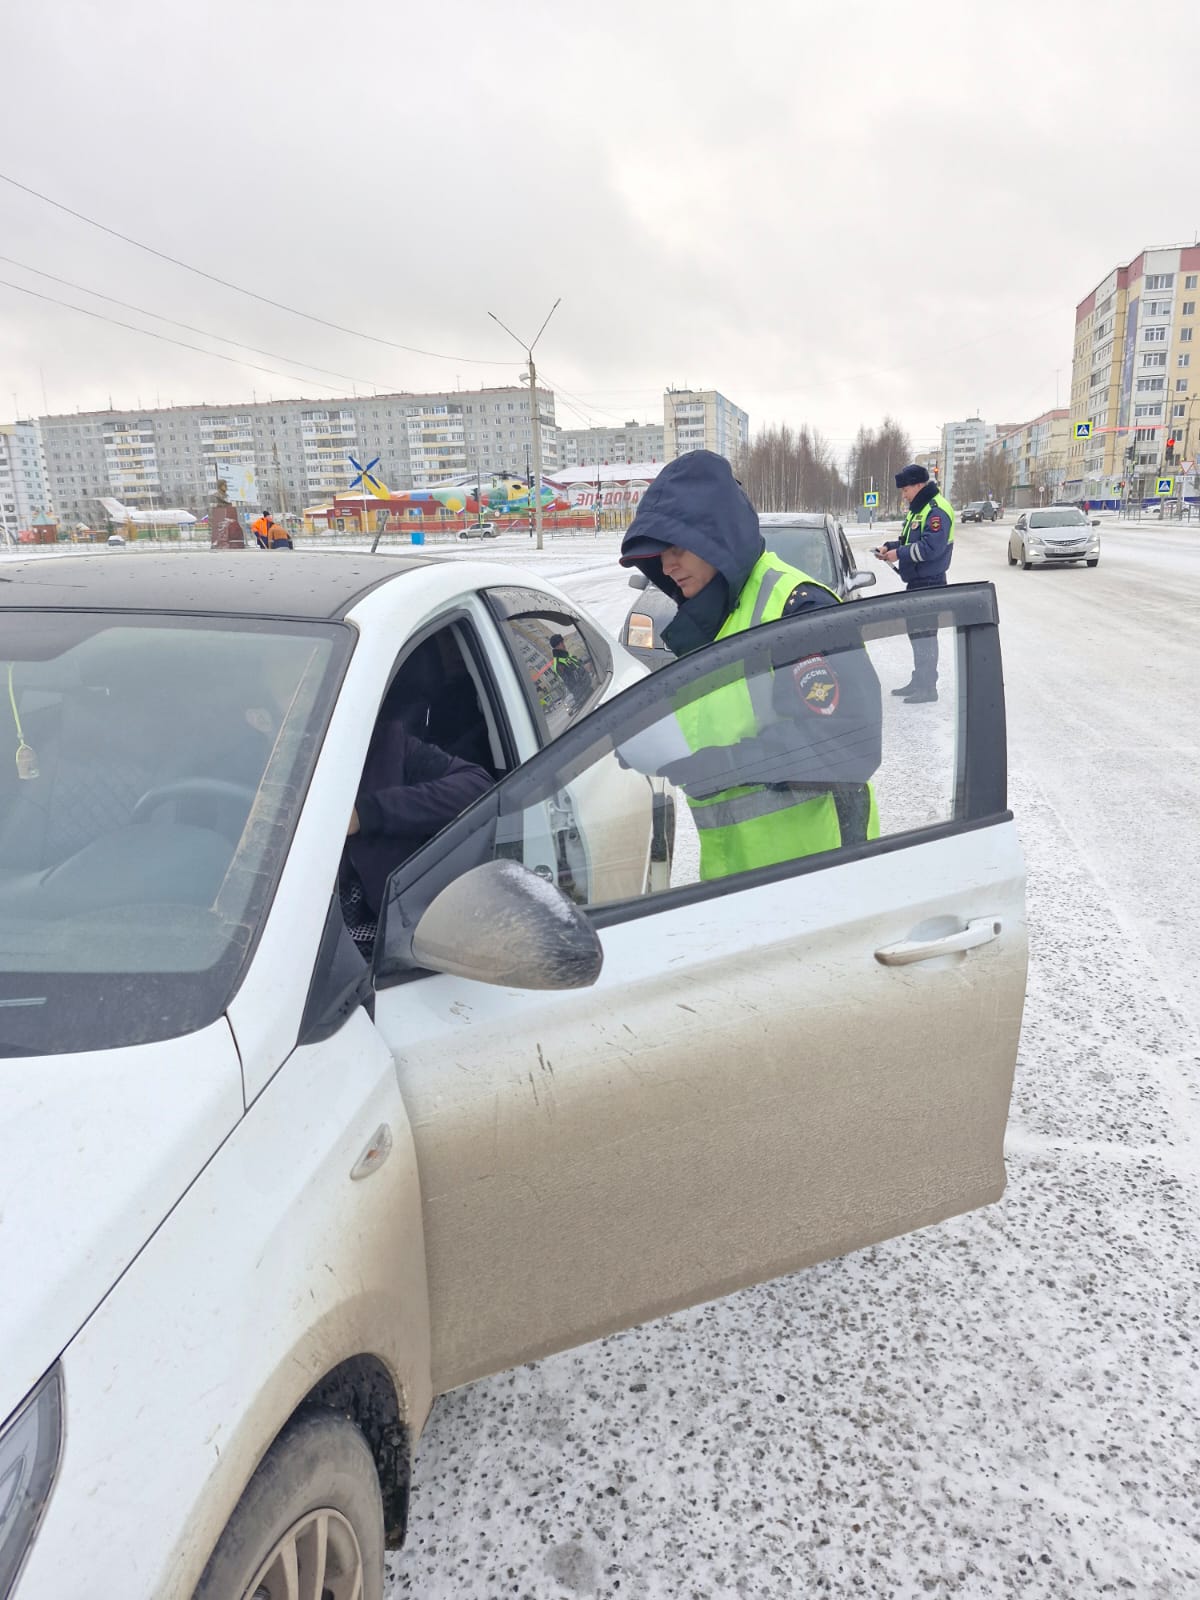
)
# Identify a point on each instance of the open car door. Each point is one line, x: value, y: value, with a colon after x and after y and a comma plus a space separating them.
x: 773, y: 1067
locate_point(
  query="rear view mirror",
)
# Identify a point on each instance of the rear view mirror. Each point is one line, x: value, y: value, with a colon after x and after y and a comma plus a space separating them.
x: 638, y: 580
x: 1095, y: 522
x: 501, y: 923
x: 861, y: 580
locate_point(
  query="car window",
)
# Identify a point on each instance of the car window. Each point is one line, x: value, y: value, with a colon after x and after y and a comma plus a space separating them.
x: 159, y: 770
x: 806, y: 548
x: 563, y: 663
x: 1058, y: 517
x: 778, y: 750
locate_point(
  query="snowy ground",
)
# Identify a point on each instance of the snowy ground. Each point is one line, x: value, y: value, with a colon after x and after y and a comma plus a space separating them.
x: 1005, y: 1405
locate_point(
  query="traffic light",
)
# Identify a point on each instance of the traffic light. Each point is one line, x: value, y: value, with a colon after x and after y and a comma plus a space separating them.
x: 1170, y: 455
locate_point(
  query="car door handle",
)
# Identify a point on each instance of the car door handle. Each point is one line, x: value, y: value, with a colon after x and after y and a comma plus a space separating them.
x: 980, y: 931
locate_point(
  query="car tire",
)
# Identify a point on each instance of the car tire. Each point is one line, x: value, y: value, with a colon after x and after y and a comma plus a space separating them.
x: 319, y: 1470
x: 1025, y: 565
x: 1094, y: 563
x: 1012, y: 560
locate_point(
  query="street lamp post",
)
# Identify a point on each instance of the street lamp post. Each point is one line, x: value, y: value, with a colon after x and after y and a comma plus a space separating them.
x: 534, y: 415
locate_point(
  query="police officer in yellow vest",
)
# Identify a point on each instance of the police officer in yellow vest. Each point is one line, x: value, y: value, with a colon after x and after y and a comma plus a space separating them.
x: 779, y: 768
x: 922, y: 557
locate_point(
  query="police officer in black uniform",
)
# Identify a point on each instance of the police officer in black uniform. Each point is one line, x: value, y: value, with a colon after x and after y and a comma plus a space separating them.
x: 921, y: 555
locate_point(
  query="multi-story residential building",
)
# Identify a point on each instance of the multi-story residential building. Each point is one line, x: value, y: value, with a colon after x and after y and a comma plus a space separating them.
x: 1032, y: 459
x: 24, y: 492
x: 287, y: 454
x: 437, y: 445
x: 635, y: 441
x: 1134, y: 372
x: 962, y: 442
x: 702, y: 419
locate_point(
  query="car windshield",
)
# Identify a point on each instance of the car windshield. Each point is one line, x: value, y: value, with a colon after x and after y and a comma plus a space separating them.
x: 1058, y: 517
x: 154, y: 772
x: 977, y: 505
x: 806, y: 548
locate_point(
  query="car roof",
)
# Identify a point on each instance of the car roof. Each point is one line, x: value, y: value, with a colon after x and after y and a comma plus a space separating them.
x: 792, y: 519
x: 314, y: 585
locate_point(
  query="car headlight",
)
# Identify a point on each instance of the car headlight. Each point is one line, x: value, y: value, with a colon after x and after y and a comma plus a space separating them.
x: 641, y: 631
x: 30, y: 1445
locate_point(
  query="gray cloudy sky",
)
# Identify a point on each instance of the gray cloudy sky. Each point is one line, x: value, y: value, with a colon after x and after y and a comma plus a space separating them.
x: 828, y: 212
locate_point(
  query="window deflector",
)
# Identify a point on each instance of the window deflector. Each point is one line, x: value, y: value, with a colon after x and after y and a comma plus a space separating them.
x: 981, y: 778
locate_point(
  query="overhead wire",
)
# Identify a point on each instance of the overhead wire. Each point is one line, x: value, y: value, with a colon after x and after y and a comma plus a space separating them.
x: 338, y: 327
x: 173, y: 322
x: 166, y: 338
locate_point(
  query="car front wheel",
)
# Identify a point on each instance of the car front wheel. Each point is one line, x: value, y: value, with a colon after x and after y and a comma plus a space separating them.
x: 1025, y: 562
x: 310, y: 1521
x: 1094, y: 563
x: 1012, y: 560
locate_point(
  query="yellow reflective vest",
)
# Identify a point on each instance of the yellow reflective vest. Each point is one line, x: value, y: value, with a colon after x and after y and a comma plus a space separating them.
x: 757, y: 825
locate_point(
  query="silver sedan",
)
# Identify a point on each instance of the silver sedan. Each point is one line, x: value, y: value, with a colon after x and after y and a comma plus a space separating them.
x: 1053, y: 534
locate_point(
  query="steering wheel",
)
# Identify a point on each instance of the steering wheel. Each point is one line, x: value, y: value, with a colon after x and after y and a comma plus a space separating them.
x: 198, y: 788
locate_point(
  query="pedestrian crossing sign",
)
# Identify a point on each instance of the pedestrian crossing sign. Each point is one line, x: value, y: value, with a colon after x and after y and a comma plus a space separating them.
x: 1165, y: 487
x: 1083, y: 430
x: 871, y: 498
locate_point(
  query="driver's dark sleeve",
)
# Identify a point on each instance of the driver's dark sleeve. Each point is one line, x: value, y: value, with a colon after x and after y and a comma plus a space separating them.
x: 827, y: 732
x: 429, y: 790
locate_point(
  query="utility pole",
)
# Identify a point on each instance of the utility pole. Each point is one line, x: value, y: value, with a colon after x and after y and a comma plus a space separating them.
x: 535, y: 488
x: 283, y: 505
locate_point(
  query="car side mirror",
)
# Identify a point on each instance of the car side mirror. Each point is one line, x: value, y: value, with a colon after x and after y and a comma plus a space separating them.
x: 861, y: 580
x: 1095, y: 522
x: 638, y: 580
x: 501, y: 923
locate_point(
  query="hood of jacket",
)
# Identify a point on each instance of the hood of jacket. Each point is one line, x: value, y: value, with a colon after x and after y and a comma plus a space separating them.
x: 698, y: 504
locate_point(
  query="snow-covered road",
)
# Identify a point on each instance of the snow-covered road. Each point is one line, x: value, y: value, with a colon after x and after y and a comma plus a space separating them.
x: 1008, y: 1404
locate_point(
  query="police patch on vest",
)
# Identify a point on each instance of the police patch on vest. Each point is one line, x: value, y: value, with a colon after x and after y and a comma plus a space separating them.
x: 817, y: 685
x: 934, y: 523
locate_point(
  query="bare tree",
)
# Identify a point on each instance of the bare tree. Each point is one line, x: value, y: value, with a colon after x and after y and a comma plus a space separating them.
x: 876, y: 456
x: 986, y: 476
x: 786, y: 469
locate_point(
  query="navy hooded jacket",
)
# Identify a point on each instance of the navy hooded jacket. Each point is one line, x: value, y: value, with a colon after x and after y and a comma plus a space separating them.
x: 697, y: 504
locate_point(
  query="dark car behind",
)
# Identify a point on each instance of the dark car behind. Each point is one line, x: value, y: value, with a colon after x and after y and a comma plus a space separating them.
x: 979, y: 511
x: 811, y: 540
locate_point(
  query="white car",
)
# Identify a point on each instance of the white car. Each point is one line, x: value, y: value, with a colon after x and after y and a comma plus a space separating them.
x: 261, y: 1202
x: 478, y: 530
x: 1054, y: 534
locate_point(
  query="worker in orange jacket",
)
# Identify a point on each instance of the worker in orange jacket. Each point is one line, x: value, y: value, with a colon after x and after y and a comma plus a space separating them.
x: 270, y: 534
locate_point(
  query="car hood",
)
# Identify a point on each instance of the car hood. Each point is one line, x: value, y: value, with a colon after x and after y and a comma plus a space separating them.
x: 95, y: 1149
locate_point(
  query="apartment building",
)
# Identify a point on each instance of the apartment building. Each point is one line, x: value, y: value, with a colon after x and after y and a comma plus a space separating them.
x: 633, y: 441
x: 24, y: 492
x: 1032, y: 459
x: 702, y: 419
x: 1134, y: 372
x: 962, y: 442
x: 287, y: 454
